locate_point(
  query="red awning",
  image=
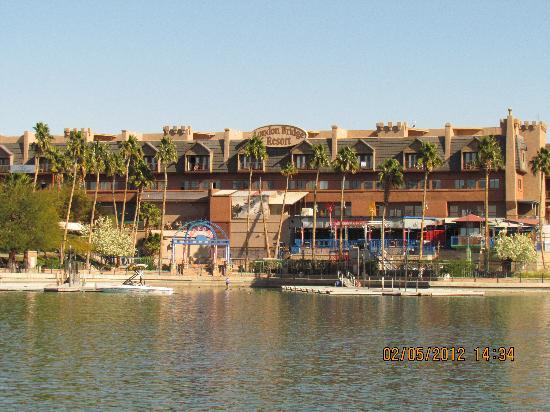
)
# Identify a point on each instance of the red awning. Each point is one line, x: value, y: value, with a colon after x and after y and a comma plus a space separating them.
x: 471, y: 218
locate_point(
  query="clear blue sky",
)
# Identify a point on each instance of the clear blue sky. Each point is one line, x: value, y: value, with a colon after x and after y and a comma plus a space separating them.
x: 139, y: 65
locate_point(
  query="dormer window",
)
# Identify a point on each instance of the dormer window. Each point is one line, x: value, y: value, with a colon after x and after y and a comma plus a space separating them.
x: 365, y: 161
x: 151, y: 162
x: 198, y: 163
x: 411, y: 160
x: 301, y: 161
x: 247, y: 163
x: 4, y: 164
x: 469, y: 160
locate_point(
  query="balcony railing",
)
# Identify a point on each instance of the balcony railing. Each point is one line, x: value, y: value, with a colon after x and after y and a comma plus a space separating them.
x: 474, y: 242
x: 198, y: 167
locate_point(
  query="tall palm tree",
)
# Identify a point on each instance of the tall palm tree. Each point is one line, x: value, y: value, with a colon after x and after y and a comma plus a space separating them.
x: 166, y: 155
x: 142, y: 178
x: 319, y: 160
x: 489, y: 159
x: 130, y: 151
x: 428, y: 159
x: 75, y: 150
x: 114, y: 166
x: 288, y: 171
x: 41, y: 146
x: 541, y: 164
x: 255, y: 151
x: 96, y: 163
x: 346, y: 162
x: 390, y: 175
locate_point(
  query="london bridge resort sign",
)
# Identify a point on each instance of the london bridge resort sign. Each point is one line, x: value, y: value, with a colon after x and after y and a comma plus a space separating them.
x: 280, y: 135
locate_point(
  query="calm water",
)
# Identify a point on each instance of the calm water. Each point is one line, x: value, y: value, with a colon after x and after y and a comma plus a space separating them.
x: 263, y: 349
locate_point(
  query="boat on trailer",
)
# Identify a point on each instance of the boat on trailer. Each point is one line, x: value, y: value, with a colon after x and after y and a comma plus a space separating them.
x: 135, y: 284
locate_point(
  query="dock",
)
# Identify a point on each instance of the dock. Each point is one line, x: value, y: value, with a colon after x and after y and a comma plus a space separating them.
x: 346, y: 291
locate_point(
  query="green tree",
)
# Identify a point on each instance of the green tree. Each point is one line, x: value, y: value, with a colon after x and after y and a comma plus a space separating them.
x: 319, y: 160
x: 96, y: 165
x: 142, y: 178
x: 15, y: 180
x: 166, y: 155
x: 75, y: 150
x: 152, y: 244
x: 254, y: 151
x: 114, y: 166
x: 489, y: 159
x: 41, y: 146
x: 130, y: 151
x: 428, y: 160
x: 151, y: 216
x: 390, y: 176
x: 541, y: 164
x: 288, y: 171
x: 28, y: 219
x: 346, y: 162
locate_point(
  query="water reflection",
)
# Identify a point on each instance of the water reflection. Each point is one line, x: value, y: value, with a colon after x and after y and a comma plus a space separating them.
x: 217, y: 348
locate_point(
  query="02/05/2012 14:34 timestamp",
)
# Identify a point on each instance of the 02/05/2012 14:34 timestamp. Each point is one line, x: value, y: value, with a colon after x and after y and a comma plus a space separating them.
x: 448, y: 354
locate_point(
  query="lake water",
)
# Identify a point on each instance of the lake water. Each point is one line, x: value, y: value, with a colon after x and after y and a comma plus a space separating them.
x: 264, y: 349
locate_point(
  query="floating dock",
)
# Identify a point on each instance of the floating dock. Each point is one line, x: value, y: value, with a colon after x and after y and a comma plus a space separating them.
x: 331, y: 290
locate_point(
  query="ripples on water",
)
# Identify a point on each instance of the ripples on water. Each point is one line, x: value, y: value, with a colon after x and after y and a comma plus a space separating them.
x: 263, y: 349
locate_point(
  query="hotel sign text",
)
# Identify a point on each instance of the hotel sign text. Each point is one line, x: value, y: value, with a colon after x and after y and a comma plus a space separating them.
x: 280, y: 135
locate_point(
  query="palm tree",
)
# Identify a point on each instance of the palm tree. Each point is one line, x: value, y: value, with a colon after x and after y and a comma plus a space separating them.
x: 114, y: 166
x: 288, y: 171
x: 319, y: 160
x: 390, y: 175
x: 75, y: 150
x: 142, y: 178
x: 346, y: 162
x: 130, y: 151
x: 96, y: 163
x: 428, y: 159
x: 41, y: 147
x: 489, y: 159
x: 16, y: 180
x: 150, y: 214
x: 59, y: 165
x: 254, y: 151
x: 541, y: 164
x: 166, y: 155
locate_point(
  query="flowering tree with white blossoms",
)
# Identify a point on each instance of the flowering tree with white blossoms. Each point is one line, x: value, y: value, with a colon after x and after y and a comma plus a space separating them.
x: 108, y: 240
x: 517, y: 248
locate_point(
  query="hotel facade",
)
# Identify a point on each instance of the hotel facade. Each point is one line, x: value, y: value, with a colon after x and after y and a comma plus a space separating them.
x: 210, y: 178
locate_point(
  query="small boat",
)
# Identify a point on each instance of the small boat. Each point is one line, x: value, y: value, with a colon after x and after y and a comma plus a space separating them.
x: 135, y: 284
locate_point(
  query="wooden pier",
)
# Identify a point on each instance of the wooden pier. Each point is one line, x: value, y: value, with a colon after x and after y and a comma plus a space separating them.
x: 340, y: 291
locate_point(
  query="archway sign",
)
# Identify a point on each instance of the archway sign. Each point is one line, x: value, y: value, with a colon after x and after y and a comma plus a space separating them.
x: 201, y: 232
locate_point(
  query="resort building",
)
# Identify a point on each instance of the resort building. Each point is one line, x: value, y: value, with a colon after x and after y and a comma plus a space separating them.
x: 210, y: 179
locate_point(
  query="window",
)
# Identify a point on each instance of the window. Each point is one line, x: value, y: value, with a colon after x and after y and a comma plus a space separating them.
x: 245, y: 163
x: 459, y: 184
x: 519, y: 184
x: 104, y: 185
x: 347, y: 209
x: 494, y: 183
x: 158, y: 185
x: 191, y: 185
x: 301, y: 161
x: 267, y: 185
x: 464, y: 208
x: 365, y: 161
x: 379, y: 185
x: 411, y: 160
x: 352, y: 184
x: 151, y: 162
x: 469, y: 160
x: 453, y: 210
x: 298, y: 184
x: 368, y: 185
x: 436, y: 184
x: 470, y: 184
x: 412, y: 184
x: 198, y: 163
x: 4, y: 161
x: 323, y: 184
x: 240, y: 184
x: 216, y: 184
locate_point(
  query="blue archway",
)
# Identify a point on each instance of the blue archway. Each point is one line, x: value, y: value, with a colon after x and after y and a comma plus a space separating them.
x: 213, y: 236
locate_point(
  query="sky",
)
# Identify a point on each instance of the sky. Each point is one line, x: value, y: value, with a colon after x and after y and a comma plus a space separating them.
x: 139, y: 65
